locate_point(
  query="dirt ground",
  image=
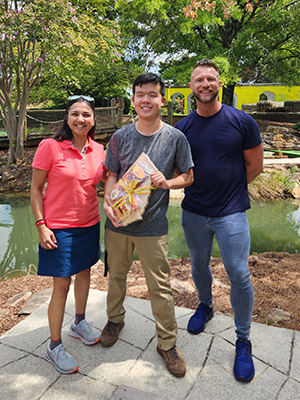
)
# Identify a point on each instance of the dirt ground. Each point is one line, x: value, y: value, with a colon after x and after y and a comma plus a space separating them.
x: 275, y: 277
x: 16, y: 180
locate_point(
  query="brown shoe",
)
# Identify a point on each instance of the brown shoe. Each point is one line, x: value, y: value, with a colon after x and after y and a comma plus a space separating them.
x: 110, y: 333
x: 174, y: 361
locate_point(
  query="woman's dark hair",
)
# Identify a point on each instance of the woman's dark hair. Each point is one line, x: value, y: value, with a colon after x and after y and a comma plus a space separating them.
x: 65, y: 133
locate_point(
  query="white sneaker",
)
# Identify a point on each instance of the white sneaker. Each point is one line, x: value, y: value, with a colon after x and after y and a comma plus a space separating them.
x: 84, y: 332
x: 61, y: 359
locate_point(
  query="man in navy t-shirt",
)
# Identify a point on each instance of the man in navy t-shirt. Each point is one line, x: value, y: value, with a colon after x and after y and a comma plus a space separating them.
x: 228, y: 154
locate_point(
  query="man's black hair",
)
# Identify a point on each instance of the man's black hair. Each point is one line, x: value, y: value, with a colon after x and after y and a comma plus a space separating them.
x: 149, y: 77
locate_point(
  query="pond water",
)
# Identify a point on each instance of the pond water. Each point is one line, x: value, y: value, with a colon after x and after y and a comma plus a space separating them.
x: 275, y: 226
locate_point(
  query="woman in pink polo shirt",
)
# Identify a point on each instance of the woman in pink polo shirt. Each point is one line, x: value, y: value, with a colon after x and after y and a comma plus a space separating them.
x: 68, y: 221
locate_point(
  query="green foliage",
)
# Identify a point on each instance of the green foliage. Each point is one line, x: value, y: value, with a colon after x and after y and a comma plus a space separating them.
x: 40, y: 130
x: 92, y: 65
x: 51, y: 49
x: 289, y: 179
x: 131, y: 110
x: 127, y: 104
x: 178, y: 105
x: 296, y: 126
x: 268, y: 321
x: 255, y: 41
x: 227, y: 70
x: 273, y: 184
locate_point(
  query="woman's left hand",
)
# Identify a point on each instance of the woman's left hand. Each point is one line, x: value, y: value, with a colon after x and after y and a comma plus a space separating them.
x: 47, y: 238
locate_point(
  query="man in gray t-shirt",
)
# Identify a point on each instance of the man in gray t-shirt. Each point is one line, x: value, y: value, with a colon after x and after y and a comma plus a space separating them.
x: 120, y: 157
x: 169, y: 150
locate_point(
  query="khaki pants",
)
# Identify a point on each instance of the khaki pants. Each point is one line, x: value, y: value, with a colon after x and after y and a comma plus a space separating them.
x: 153, y: 254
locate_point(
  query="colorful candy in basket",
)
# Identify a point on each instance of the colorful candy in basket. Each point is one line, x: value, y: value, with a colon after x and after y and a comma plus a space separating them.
x: 130, y: 195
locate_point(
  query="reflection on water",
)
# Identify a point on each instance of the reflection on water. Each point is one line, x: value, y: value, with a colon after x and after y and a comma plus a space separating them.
x: 275, y: 226
x: 18, y: 236
x: 296, y: 219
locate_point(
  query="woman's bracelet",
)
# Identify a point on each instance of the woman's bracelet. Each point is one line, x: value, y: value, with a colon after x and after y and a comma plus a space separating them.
x: 40, y: 222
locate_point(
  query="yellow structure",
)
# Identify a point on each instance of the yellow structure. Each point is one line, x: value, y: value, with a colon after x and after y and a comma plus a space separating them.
x: 243, y: 94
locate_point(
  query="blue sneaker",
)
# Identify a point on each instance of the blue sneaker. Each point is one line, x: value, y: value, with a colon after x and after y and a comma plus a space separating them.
x: 84, y: 332
x: 198, y: 321
x: 61, y: 359
x: 243, y: 364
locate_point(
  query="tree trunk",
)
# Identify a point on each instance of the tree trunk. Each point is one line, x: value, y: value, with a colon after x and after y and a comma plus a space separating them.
x: 14, y: 128
x: 21, y: 122
x: 20, y: 144
x: 20, y: 134
x: 10, y: 126
x: 11, y: 159
x: 227, y: 96
x: 14, y: 124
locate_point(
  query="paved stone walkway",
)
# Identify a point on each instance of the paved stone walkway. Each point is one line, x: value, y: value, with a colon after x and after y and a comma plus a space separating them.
x: 132, y: 369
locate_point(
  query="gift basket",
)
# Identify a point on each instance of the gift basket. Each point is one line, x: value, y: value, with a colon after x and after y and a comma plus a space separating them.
x: 130, y: 195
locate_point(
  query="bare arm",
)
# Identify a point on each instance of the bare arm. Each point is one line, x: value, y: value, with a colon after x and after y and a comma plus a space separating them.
x: 46, y: 236
x: 254, y: 161
x: 105, y: 175
x: 177, y: 182
x: 111, y: 179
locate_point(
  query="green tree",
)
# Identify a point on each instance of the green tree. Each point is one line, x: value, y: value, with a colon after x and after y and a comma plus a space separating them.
x: 250, y: 40
x: 97, y: 77
x: 47, y: 37
x: 98, y: 80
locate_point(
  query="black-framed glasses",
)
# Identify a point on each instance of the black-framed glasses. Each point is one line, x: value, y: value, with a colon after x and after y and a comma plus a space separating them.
x: 87, y: 98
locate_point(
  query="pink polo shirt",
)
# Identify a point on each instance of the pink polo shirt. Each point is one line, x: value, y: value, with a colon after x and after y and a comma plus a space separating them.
x: 70, y: 199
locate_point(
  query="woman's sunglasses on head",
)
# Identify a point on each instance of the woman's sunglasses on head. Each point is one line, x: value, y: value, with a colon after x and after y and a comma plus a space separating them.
x: 87, y: 98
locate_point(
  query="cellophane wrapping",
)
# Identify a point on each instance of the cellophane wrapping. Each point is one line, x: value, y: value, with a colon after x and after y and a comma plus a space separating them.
x: 129, y: 197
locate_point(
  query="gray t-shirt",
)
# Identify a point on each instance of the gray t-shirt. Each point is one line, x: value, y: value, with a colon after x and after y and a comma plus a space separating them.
x: 168, y: 149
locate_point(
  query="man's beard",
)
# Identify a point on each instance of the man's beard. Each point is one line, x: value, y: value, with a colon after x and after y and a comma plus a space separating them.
x: 206, y: 100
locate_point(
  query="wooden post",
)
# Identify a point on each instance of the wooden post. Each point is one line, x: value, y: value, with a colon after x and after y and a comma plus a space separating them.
x: 170, y: 113
x: 113, y: 112
x: 120, y: 112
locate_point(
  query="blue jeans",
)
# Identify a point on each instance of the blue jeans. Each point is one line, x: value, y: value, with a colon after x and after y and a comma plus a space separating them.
x: 233, y: 237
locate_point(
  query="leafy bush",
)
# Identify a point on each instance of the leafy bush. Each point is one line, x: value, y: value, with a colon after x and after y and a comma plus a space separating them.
x: 273, y: 184
x: 296, y: 127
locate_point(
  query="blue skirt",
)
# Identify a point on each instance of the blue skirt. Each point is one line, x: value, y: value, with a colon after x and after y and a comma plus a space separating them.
x: 78, y: 249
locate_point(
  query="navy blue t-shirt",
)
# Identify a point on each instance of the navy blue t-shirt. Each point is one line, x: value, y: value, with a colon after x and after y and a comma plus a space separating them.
x: 217, y: 144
